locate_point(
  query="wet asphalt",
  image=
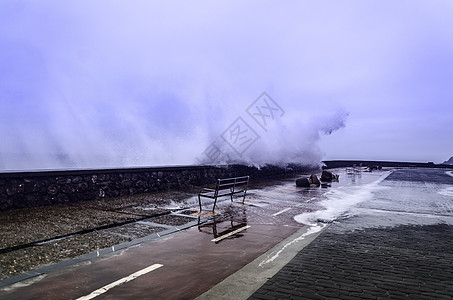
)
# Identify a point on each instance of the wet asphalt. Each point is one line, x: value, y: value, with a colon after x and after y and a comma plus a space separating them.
x: 397, y: 243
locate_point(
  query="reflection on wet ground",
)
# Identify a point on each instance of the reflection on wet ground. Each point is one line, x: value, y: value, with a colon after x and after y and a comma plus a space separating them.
x: 228, y: 225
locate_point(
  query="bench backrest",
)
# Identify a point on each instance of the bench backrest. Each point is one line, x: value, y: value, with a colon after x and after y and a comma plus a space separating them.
x: 233, y: 184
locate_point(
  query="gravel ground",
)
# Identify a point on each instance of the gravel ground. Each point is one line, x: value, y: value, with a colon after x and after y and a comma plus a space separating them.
x: 85, y: 226
x: 88, y: 226
x: 25, y: 226
x: 172, y: 220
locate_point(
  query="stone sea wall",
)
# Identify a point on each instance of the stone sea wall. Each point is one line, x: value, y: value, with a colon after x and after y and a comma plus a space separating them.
x: 30, y: 189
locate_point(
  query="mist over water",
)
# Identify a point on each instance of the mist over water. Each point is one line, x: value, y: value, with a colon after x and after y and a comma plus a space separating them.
x: 95, y: 85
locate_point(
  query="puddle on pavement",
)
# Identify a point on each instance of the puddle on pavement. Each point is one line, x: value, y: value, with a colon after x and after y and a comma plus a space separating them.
x: 226, y: 225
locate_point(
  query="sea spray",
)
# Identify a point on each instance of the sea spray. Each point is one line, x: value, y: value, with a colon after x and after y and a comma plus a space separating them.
x: 340, y: 200
x: 83, y: 90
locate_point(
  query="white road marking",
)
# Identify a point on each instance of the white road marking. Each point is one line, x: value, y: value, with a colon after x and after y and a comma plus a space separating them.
x: 258, y: 204
x: 314, y: 198
x: 230, y: 234
x: 450, y: 173
x: 312, y: 229
x: 282, y: 211
x: 104, y: 289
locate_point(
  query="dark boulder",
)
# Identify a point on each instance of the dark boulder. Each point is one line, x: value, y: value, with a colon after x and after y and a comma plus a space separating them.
x: 303, y: 182
x: 329, y: 176
x: 326, y: 176
x: 314, y: 180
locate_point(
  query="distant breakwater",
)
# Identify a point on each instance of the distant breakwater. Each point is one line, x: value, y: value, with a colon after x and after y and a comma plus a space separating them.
x: 32, y: 189
x: 331, y: 164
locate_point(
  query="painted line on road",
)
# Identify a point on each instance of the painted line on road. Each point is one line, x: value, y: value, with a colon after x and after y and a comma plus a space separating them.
x: 449, y: 173
x: 107, y: 287
x: 275, y: 254
x: 282, y: 211
x: 257, y: 204
x: 230, y: 234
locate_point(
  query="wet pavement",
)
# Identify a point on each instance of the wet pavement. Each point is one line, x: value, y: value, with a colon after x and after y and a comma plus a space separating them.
x: 381, y: 234
x: 196, y: 251
x: 397, y: 244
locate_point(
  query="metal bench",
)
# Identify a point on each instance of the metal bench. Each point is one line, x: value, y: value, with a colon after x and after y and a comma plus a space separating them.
x: 226, y: 187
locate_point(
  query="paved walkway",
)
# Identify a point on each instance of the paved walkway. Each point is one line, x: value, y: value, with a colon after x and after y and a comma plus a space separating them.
x: 404, y: 262
x: 398, y: 245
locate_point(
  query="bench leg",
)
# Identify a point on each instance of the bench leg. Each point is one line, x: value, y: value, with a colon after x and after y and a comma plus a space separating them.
x: 215, y: 200
x: 199, y: 201
x: 243, y: 199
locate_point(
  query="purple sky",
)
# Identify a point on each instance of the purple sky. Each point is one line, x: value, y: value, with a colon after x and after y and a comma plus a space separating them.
x: 91, y: 84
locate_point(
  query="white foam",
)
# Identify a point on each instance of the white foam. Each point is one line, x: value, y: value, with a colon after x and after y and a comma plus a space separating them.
x: 339, y: 201
x: 447, y: 191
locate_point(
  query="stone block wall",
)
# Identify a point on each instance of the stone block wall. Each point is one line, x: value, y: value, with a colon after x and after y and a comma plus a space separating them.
x: 30, y: 189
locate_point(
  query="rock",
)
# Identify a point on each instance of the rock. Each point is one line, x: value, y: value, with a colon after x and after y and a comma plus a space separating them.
x: 11, y: 190
x: 52, y: 190
x: 81, y: 187
x: 314, y: 180
x: 101, y: 193
x: 303, y: 182
x: 77, y: 179
x: 326, y: 176
x: 68, y: 189
x: 329, y: 176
